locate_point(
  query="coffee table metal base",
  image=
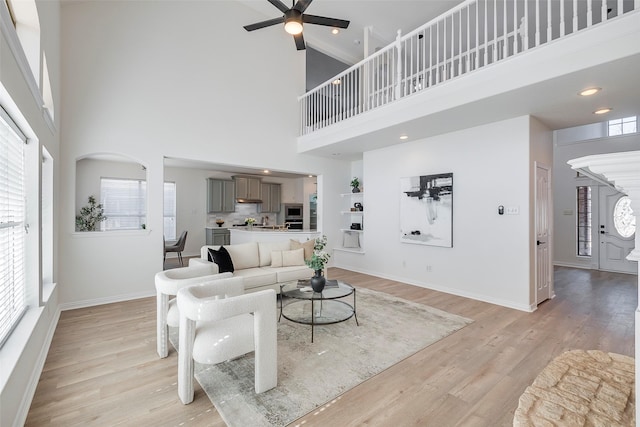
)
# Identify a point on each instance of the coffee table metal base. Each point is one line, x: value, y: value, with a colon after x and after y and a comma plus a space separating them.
x: 319, y: 308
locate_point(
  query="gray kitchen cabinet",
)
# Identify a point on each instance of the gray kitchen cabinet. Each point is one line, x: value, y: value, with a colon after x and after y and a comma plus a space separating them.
x: 270, y: 198
x: 248, y: 188
x: 275, y: 198
x: 220, y: 195
x: 218, y: 236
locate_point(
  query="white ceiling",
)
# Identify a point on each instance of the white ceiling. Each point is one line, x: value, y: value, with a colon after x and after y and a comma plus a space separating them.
x: 383, y: 16
x: 199, y: 164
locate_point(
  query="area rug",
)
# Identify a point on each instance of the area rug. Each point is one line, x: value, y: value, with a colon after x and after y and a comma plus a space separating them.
x: 342, y: 356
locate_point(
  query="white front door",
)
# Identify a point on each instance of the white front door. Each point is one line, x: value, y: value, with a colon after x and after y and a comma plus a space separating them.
x: 543, y: 234
x: 616, y: 231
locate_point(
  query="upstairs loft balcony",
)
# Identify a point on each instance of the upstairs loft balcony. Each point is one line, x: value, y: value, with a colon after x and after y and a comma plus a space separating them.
x: 469, y: 38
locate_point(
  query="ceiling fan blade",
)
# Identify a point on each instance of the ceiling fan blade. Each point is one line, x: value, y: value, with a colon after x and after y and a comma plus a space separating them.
x: 277, y: 3
x: 302, y: 5
x: 323, y: 20
x: 263, y: 24
x: 299, y: 39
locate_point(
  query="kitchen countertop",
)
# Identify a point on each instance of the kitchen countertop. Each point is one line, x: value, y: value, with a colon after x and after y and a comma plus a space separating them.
x: 269, y: 229
x: 243, y: 235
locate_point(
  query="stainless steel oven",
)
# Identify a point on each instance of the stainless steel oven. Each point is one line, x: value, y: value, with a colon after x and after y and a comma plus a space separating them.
x: 292, y: 211
x: 293, y: 215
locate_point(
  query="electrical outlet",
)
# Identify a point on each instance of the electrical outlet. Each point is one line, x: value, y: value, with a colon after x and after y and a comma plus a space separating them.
x: 428, y: 269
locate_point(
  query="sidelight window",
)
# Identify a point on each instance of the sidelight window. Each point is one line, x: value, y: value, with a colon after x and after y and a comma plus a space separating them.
x: 584, y: 221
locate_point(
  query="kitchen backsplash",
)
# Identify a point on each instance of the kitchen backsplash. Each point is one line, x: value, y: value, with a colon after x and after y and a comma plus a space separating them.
x: 243, y: 210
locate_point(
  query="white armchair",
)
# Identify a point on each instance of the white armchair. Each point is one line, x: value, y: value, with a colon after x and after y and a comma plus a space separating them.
x: 168, y: 283
x: 229, y: 324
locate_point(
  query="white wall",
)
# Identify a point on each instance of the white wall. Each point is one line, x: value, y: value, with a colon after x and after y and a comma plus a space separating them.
x: 23, y: 354
x: 149, y: 80
x: 565, y: 182
x: 490, y: 258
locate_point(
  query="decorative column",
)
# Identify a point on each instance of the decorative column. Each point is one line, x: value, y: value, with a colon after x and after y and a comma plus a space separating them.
x: 623, y: 171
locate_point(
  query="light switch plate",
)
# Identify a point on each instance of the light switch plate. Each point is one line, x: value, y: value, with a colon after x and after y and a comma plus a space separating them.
x: 512, y: 210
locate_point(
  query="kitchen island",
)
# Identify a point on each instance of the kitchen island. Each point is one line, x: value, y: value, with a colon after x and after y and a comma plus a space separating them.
x: 257, y: 234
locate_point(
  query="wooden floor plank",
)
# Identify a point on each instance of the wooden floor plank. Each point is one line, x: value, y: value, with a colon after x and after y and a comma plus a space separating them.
x: 102, y: 367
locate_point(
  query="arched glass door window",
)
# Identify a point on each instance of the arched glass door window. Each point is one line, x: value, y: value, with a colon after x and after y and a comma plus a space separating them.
x: 623, y: 219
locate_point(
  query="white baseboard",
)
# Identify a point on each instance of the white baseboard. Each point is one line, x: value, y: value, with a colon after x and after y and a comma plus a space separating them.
x: 32, y: 385
x: 106, y: 300
x: 445, y: 289
x: 570, y: 265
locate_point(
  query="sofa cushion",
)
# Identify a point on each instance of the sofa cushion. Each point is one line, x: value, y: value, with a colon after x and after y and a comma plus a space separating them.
x: 287, y: 258
x: 244, y: 255
x: 287, y: 274
x: 307, y: 246
x: 254, y: 277
x: 222, y: 259
x: 265, y: 249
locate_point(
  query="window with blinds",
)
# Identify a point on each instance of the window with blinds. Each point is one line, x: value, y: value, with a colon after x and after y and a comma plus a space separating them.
x: 124, y: 203
x: 169, y: 211
x: 12, y: 226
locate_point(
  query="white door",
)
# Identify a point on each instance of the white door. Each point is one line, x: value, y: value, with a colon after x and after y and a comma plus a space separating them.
x: 616, y: 231
x: 543, y: 234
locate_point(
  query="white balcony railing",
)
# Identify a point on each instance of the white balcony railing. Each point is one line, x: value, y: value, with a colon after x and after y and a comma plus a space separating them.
x: 470, y: 36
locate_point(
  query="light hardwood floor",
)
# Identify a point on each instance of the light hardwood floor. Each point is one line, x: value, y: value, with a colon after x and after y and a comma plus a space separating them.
x: 103, y: 370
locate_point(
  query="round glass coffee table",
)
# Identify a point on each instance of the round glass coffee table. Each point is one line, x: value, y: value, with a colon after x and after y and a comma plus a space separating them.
x: 313, y: 308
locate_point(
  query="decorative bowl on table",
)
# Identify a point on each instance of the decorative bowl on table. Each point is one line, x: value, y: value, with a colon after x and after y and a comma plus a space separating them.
x: 219, y: 222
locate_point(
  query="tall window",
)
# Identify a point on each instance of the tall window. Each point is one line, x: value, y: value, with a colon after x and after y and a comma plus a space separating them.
x: 623, y: 126
x: 170, y: 210
x: 124, y: 202
x: 12, y: 225
x: 584, y: 221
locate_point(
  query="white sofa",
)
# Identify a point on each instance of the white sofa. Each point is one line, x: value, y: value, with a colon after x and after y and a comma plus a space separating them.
x: 253, y: 262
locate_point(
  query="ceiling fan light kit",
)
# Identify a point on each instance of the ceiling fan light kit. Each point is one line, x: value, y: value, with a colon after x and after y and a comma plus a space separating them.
x: 293, y: 22
x: 293, y: 19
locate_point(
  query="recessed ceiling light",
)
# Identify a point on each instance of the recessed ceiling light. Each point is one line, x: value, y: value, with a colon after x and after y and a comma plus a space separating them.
x: 602, y: 111
x: 590, y: 91
x: 335, y: 31
x: 403, y: 137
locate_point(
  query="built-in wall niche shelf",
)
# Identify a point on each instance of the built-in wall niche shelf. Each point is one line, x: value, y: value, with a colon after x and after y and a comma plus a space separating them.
x: 352, y: 239
x: 350, y: 250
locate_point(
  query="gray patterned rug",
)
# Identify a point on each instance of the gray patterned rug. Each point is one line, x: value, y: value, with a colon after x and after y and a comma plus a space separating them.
x: 342, y: 356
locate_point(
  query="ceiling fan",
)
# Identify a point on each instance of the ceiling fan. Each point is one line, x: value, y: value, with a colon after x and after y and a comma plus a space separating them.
x: 293, y: 19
